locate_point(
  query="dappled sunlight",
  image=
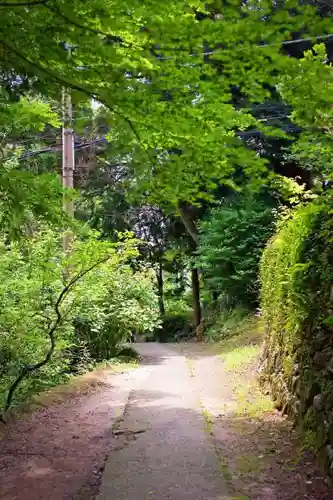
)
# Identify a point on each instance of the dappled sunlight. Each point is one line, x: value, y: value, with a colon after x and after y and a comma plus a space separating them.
x: 259, y: 452
x: 186, y: 424
x: 166, y: 174
x: 237, y: 357
x: 263, y: 454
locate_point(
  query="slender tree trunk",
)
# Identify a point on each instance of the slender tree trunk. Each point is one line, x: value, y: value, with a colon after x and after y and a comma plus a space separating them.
x: 196, y: 297
x: 192, y: 231
x: 189, y: 224
x: 160, y: 287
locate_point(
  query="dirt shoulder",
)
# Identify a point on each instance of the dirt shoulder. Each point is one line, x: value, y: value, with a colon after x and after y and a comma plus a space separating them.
x: 261, y: 455
x: 58, y: 452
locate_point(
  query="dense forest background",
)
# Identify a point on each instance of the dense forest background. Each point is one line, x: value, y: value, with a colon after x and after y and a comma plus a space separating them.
x: 202, y: 184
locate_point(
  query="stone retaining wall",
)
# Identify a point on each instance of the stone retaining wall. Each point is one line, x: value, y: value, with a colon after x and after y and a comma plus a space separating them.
x: 300, y: 381
x: 297, y: 302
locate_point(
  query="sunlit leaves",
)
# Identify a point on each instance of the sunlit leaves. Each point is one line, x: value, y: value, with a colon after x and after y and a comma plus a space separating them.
x: 232, y: 239
x: 112, y: 299
x: 165, y: 71
x: 308, y: 86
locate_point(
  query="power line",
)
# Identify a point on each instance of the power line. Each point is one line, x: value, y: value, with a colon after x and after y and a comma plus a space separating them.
x: 55, y: 149
x: 58, y: 148
x: 261, y: 46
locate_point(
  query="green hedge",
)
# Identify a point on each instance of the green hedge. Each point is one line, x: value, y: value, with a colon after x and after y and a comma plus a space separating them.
x: 297, y: 305
x: 286, y: 298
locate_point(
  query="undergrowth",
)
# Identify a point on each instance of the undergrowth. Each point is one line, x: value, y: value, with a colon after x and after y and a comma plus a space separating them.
x: 38, y: 390
x: 226, y: 324
x: 240, y: 354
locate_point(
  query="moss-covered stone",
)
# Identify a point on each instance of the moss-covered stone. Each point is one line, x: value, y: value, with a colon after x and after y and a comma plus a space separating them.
x: 321, y: 359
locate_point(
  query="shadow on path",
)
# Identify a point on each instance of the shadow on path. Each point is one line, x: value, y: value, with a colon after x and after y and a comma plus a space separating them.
x: 170, y: 444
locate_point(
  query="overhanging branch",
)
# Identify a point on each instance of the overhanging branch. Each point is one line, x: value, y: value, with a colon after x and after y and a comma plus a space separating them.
x: 79, y: 88
x: 23, y: 4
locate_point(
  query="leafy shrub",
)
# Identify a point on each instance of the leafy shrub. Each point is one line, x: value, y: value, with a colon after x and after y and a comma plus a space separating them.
x: 291, y: 272
x: 111, y: 307
x: 222, y: 324
x: 231, y: 243
x: 127, y: 354
x: 180, y: 306
x: 109, y: 300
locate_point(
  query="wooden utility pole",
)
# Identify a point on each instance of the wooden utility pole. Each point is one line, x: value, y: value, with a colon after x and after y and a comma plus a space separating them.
x: 67, y: 148
x: 68, y: 163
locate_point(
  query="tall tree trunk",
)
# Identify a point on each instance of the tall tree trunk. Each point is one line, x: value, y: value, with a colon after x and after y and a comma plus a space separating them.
x: 189, y: 223
x: 196, y: 297
x: 187, y: 219
x: 160, y: 288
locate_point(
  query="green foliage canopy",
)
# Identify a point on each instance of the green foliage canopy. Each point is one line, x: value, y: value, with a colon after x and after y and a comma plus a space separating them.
x: 165, y: 72
x: 310, y: 80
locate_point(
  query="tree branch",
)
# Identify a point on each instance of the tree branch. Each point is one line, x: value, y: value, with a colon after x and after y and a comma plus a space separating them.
x: 28, y: 369
x: 188, y: 223
x: 74, y: 86
x: 56, y: 10
x: 88, y: 92
x: 23, y: 4
x: 48, y: 72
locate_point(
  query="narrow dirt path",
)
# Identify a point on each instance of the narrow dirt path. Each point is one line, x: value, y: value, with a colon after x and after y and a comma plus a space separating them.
x: 186, y: 435
x: 170, y: 429
x: 167, y: 452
